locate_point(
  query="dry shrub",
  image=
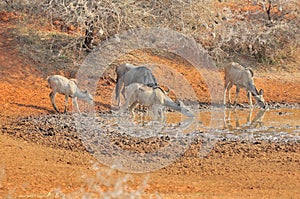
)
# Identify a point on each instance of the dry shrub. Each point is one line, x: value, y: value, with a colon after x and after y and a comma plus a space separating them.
x: 225, y: 29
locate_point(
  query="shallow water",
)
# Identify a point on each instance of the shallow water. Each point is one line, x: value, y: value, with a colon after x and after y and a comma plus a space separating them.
x: 256, y: 124
x: 246, y: 118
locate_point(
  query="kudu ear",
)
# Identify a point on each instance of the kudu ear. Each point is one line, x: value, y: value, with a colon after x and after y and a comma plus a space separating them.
x: 261, y: 92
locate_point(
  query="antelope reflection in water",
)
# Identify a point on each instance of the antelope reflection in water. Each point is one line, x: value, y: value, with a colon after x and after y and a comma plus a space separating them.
x: 256, y: 122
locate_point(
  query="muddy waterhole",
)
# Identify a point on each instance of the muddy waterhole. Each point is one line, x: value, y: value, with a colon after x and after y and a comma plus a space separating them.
x: 151, y: 145
x: 270, y: 125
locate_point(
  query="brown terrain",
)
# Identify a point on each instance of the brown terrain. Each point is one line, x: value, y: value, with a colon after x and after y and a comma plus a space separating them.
x: 38, y: 168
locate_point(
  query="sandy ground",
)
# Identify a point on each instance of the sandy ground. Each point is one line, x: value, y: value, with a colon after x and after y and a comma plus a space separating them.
x: 234, y: 170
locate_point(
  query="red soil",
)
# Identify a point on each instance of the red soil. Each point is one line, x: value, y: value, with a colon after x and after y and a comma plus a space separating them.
x: 32, y: 170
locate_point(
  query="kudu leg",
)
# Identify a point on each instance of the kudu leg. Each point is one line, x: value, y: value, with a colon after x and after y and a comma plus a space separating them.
x: 227, y: 88
x: 66, y: 103
x: 224, y: 119
x: 155, y: 113
x: 250, y: 99
x: 227, y: 119
x: 236, y: 96
x: 237, y: 121
x: 124, y: 106
x: 224, y: 101
x: 249, y: 117
x: 152, y: 114
x: 161, y: 114
x: 132, y: 107
x: 75, y: 103
x: 163, y: 117
x: 52, y: 98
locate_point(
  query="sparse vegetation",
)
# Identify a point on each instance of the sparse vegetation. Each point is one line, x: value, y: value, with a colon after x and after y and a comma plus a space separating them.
x: 264, y: 30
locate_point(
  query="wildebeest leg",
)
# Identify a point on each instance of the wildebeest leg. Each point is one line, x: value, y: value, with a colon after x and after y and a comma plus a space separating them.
x: 236, y: 96
x: 123, y: 94
x: 250, y: 99
x: 52, y: 98
x: 118, y: 87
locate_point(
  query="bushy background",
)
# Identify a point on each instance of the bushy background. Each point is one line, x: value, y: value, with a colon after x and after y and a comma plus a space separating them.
x: 266, y: 31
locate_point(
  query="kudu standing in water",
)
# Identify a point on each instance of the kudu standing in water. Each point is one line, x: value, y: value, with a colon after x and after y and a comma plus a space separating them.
x: 153, y: 97
x: 241, y: 77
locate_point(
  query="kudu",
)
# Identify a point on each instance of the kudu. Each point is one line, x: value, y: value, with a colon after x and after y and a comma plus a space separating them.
x: 241, y: 77
x: 152, y: 97
x: 69, y: 88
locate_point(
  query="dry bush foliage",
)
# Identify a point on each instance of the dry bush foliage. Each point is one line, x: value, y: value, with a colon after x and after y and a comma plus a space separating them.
x: 267, y: 30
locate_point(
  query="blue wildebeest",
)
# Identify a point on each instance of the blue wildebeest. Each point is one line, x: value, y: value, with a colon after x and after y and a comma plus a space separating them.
x: 133, y: 74
x: 123, y: 68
